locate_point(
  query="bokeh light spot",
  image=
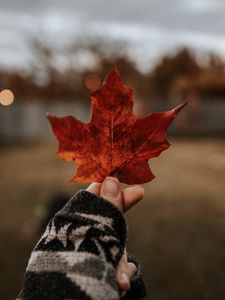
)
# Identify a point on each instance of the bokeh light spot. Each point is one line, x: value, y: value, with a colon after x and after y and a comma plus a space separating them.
x: 92, y: 82
x: 6, y: 97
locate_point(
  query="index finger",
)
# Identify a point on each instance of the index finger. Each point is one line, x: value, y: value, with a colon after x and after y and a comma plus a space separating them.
x: 94, y: 188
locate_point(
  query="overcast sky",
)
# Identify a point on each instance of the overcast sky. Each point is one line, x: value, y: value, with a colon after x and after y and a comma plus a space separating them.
x: 151, y: 27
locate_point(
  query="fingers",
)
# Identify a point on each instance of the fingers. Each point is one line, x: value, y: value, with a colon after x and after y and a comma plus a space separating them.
x: 94, y: 188
x: 132, y: 195
x: 111, y: 191
x: 123, y: 273
x: 132, y: 269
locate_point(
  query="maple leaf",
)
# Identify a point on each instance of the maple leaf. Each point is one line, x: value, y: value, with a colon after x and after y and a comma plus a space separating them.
x: 115, y: 142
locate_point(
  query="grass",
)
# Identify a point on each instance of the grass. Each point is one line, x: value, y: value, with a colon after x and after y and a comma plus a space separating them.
x: 177, y: 231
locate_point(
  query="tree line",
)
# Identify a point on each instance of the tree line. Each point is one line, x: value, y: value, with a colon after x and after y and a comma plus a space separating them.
x: 56, y: 74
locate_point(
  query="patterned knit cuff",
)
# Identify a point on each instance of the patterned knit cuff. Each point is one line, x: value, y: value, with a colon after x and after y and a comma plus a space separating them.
x: 88, y: 203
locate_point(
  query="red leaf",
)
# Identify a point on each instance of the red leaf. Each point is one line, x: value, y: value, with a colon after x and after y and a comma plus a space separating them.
x: 115, y: 142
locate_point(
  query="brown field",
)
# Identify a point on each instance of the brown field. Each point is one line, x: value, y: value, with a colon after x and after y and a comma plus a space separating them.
x: 177, y: 231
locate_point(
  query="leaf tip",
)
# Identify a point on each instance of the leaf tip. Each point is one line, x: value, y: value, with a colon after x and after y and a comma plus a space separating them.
x: 180, y: 107
x: 113, y: 75
x: 48, y: 116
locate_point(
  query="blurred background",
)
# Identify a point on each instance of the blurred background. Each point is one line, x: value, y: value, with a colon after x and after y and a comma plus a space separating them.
x: 52, y: 54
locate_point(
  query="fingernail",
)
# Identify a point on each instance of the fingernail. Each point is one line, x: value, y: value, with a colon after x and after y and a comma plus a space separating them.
x: 125, y: 280
x: 111, y: 187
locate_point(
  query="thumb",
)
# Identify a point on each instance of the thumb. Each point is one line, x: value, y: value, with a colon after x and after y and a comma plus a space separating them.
x: 111, y: 191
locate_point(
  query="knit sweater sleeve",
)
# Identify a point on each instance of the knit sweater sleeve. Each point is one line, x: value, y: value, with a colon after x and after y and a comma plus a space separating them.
x: 76, y: 257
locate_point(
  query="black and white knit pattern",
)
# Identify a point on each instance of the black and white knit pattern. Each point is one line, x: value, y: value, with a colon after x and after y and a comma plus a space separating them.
x: 77, y: 255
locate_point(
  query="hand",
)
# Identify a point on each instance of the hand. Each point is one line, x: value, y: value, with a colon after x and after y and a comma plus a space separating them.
x: 123, y: 199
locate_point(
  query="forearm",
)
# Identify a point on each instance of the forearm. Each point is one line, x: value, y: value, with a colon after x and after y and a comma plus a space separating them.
x: 78, y: 253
